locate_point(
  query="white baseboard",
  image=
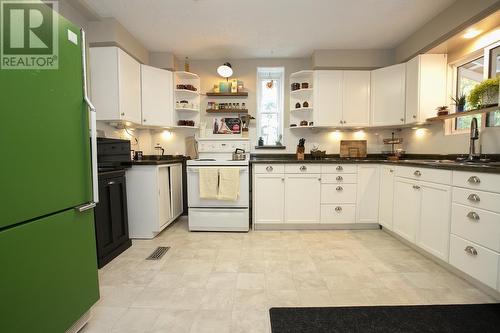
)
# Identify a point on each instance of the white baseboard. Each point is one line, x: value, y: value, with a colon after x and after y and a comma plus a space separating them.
x: 315, y: 226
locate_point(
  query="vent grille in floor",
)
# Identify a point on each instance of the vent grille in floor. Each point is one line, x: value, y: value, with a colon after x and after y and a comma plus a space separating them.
x: 158, y: 253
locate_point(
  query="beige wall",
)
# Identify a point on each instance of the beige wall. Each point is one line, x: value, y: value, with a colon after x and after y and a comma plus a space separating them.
x: 360, y: 59
x: 452, y: 20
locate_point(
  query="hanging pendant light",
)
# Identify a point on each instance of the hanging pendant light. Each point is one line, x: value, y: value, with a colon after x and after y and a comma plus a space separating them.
x: 225, y: 70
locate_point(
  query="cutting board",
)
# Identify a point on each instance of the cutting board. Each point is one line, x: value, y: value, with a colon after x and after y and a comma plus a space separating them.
x: 353, y: 148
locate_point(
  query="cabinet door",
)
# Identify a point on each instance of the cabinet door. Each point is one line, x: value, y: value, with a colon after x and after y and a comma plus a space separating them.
x: 433, y: 231
x: 327, y: 98
x: 388, y: 95
x: 269, y: 198
x: 406, y: 208
x: 386, y: 198
x: 176, y: 189
x: 302, y: 198
x: 412, y: 90
x: 356, y: 98
x: 157, y: 96
x: 165, y: 210
x: 129, y: 71
x: 367, y: 193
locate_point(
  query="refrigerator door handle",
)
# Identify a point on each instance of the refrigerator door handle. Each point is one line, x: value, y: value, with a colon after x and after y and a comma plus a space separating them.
x: 92, y: 123
x: 85, y: 207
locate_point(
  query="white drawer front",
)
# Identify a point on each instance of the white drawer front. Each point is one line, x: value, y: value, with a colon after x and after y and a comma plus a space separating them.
x: 338, y: 213
x: 333, y: 193
x: 330, y: 178
x: 474, y: 260
x: 269, y: 168
x: 302, y: 168
x: 425, y: 174
x: 479, y: 199
x: 475, y: 180
x: 339, y: 168
x: 477, y: 225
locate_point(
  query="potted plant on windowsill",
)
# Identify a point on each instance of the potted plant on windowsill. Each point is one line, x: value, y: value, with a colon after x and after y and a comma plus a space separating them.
x: 460, y: 102
x: 484, y: 94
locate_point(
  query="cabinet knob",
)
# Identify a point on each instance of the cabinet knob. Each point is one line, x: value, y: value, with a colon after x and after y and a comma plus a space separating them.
x: 474, y: 180
x: 473, y: 216
x: 414, y: 117
x: 123, y: 113
x: 470, y: 250
x: 282, y: 179
x: 391, y: 170
x: 319, y: 179
x: 402, y: 119
x: 269, y: 168
x: 339, y: 168
x: 339, y: 178
x: 338, y: 209
x: 417, y: 173
x: 474, y: 197
x: 144, y: 120
x: 303, y: 168
x: 339, y: 188
x: 416, y: 187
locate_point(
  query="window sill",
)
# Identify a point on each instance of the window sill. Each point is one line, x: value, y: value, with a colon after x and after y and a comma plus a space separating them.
x: 270, y: 147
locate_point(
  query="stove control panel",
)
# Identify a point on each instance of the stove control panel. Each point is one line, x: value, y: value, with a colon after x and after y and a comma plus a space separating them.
x: 222, y: 146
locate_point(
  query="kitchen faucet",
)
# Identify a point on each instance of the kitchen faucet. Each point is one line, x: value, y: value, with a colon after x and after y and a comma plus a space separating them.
x: 474, y: 135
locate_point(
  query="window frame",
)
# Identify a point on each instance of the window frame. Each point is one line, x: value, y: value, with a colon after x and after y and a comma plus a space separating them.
x: 450, y: 127
x: 274, y: 73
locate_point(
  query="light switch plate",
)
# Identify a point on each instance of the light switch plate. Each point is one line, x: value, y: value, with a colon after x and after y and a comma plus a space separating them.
x: 72, y: 37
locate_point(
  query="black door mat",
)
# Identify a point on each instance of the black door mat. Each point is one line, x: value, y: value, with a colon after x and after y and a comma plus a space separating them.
x: 386, y: 319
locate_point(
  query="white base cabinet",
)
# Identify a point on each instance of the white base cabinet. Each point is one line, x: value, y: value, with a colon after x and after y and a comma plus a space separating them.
x: 386, y: 196
x: 302, y: 198
x: 368, y: 193
x: 154, y: 198
x: 270, y: 201
x: 406, y: 208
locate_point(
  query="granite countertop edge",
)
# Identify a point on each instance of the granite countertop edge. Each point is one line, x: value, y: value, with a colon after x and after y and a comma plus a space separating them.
x: 431, y: 165
x: 158, y: 162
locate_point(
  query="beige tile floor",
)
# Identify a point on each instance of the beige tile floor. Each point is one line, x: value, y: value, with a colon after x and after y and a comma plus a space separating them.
x: 226, y: 282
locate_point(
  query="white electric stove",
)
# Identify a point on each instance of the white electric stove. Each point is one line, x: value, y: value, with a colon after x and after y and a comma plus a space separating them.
x: 212, y: 214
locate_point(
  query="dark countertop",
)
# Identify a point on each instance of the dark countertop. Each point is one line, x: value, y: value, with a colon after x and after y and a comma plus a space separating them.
x: 167, y: 159
x: 436, y: 162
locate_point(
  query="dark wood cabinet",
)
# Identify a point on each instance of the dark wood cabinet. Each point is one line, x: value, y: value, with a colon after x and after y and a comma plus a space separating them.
x: 111, y: 223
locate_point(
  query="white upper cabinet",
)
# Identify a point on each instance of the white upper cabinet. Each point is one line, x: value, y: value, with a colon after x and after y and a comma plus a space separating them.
x: 157, y: 96
x: 388, y: 96
x: 425, y: 86
x: 115, y: 79
x: 356, y: 98
x: 328, y: 97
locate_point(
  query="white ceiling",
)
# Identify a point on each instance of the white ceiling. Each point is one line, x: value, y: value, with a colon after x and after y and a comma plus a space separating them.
x: 211, y: 29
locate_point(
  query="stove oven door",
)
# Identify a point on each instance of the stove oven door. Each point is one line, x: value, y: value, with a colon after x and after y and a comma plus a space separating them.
x: 193, y: 185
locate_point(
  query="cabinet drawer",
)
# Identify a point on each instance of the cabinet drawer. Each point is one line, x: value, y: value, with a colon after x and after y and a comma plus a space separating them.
x: 333, y: 193
x: 269, y: 168
x: 338, y: 213
x: 348, y: 178
x: 339, y: 168
x: 475, y: 180
x: 477, y: 225
x: 479, y: 199
x: 302, y: 168
x: 474, y: 260
x: 425, y: 174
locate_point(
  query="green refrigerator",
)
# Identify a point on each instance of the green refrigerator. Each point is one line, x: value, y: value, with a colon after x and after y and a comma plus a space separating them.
x: 48, y: 265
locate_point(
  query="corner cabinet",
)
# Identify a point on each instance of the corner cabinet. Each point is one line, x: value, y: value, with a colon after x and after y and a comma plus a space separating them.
x: 425, y: 86
x: 115, y: 85
x: 154, y: 197
x: 388, y: 96
x: 157, y: 97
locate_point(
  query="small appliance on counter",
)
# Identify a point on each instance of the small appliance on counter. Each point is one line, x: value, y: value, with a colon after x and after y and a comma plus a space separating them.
x: 111, y: 222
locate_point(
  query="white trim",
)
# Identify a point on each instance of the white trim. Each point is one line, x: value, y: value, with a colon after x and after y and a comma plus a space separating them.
x: 276, y: 73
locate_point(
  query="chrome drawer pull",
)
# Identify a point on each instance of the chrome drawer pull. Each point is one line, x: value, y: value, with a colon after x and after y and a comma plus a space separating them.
x: 339, y: 188
x: 473, y: 216
x: 111, y: 183
x: 339, y: 168
x: 339, y: 178
x: 303, y: 168
x: 417, y: 173
x: 269, y: 168
x: 474, y: 197
x: 470, y: 250
x: 474, y: 180
x: 338, y: 209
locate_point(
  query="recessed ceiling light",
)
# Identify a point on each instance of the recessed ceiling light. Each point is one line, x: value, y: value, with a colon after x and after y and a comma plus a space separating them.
x: 471, y: 33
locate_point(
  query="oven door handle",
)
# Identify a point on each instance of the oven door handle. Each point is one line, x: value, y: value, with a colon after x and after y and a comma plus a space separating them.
x: 195, y: 169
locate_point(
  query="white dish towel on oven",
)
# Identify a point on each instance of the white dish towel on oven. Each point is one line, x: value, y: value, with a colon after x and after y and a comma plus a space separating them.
x: 209, y: 181
x: 229, y: 184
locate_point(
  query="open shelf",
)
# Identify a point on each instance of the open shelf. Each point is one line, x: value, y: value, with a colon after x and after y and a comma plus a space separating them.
x: 302, y: 74
x: 191, y: 127
x: 187, y: 92
x: 301, y: 91
x: 308, y: 109
x: 228, y: 94
x: 464, y: 113
x: 187, y: 109
x: 295, y: 127
x: 186, y: 75
x: 227, y: 110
